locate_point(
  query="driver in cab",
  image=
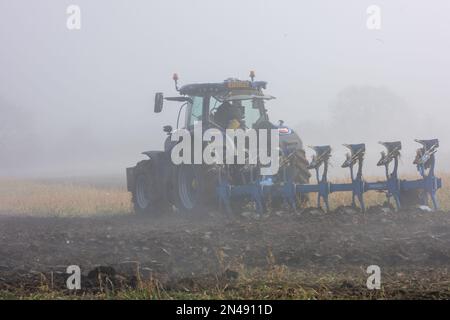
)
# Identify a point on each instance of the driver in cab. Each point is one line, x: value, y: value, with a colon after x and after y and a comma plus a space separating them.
x: 229, y: 115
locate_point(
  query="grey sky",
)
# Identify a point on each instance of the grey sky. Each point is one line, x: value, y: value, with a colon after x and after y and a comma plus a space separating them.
x: 94, y: 87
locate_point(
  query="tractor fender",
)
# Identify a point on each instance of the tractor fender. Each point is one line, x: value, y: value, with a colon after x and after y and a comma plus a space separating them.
x: 158, y: 159
x: 291, y: 141
x: 153, y: 155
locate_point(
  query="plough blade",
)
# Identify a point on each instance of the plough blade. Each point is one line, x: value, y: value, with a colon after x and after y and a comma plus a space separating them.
x: 323, y: 154
x: 357, y: 152
x: 392, y: 152
x: 425, y: 162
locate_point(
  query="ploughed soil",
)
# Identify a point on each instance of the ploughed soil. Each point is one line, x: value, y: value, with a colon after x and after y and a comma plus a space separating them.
x: 412, y: 249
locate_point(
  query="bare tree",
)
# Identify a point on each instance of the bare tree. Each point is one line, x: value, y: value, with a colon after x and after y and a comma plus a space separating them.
x: 370, y: 113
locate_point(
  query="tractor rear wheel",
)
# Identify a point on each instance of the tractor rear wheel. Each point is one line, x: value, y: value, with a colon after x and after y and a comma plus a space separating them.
x: 303, y: 174
x: 300, y: 164
x: 298, y: 171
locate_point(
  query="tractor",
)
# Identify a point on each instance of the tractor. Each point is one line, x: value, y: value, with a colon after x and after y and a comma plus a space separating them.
x: 158, y: 185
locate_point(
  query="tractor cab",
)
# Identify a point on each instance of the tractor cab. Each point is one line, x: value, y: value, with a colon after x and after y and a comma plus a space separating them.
x: 230, y: 104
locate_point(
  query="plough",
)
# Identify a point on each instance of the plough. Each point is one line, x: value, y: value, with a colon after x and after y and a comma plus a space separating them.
x: 260, y: 190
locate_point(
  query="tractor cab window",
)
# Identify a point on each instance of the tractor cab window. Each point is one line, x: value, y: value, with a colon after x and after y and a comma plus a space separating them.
x: 195, y: 111
x: 252, y: 112
x: 247, y: 111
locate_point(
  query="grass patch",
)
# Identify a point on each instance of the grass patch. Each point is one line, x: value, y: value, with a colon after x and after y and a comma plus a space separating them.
x: 60, y: 199
x: 258, y: 284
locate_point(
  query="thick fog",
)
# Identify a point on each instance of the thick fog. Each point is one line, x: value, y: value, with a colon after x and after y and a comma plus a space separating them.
x: 80, y: 102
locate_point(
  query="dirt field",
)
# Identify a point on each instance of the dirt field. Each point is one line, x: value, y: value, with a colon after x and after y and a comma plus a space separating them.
x: 323, y: 255
x: 310, y: 255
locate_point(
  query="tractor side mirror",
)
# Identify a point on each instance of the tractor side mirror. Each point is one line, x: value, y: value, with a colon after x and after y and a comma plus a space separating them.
x: 159, y: 100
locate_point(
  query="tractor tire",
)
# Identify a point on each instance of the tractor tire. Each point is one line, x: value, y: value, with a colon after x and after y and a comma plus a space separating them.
x: 300, y: 175
x: 146, y: 196
x: 194, y: 191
